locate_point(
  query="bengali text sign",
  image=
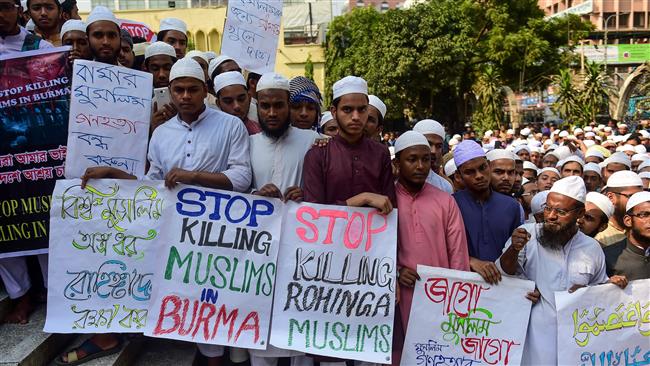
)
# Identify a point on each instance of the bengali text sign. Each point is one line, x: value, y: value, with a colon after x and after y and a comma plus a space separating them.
x: 458, y: 319
x: 335, y: 292
x: 216, y: 268
x: 604, y: 325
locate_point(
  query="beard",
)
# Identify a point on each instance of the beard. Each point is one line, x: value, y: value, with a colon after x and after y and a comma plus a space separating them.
x: 639, y: 237
x: 276, y: 134
x: 555, y: 237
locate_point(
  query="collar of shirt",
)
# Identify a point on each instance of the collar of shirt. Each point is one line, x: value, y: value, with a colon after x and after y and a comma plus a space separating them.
x: 638, y: 250
x: 401, y: 190
x: 202, y: 116
x: 348, y: 145
x: 22, y: 32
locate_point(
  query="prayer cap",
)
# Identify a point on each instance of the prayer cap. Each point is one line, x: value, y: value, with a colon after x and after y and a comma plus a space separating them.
x: 569, y: 159
x: 498, y: 154
x: 620, y: 158
x: 538, y: 202
x: 408, y: 139
x: 522, y: 147
x: 640, y: 149
x: 563, y: 152
x: 302, y: 89
x: 548, y: 169
x: 572, y: 187
x: 195, y: 53
x: 467, y: 150
x: 210, y: 55
x: 564, y: 134
x: 624, y: 178
x: 525, y: 131
x: 450, y: 168
x: 644, y: 175
x: 228, y: 78
x: 140, y: 48
x: 637, y: 199
x: 602, y: 202
x: 577, y: 131
x: 186, y: 68
x: 429, y: 126
x: 644, y: 133
x: 324, y: 118
x: 214, y: 63
x: 100, y: 13
x: 639, y: 157
x: 271, y: 80
x: 73, y: 25
x: 159, y: 48
x: 593, y: 167
x: 453, y: 142
x: 645, y: 164
x: 594, y: 152
x: 374, y: 101
x: 530, y: 166
x: 173, y: 24
x: 350, y: 85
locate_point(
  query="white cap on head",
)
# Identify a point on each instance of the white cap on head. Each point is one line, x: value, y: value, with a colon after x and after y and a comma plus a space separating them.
x: 548, y: 169
x: 573, y: 187
x: 450, y: 168
x: 637, y: 199
x: 593, y: 167
x: 594, y: 152
x: 624, y: 178
x: 159, y: 48
x: 621, y: 125
x: 101, y: 13
x: 645, y: 164
x: 173, y: 24
x: 228, y: 78
x: 619, y: 158
x: 578, y: 131
x: 607, y: 129
x: 525, y: 131
x: 538, y: 202
x: 408, y: 139
x: 626, y: 147
x: 644, y: 175
x: 522, y: 147
x: 350, y: 85
x: 564, y: 134
x: 602, y: 202
x: 510, y: 131
x: 374, y: 101
x: 569, y: 159
x: 644, y: 133
x: 73, y: 25
x: 429, y: 126
x: 640, y: 157
x: 195, y: 53
x: 563, y: 152
x: 215, y: 62
x: 640, y: 149
x: 499, y: 154
x: 590, y: 134
x: 324, y: 118
x: 454, y: 142
x: 272, y: 80
x: 210, y: 55
x: 589, y: 143
x: 186, y: 68
x: 530, y: 166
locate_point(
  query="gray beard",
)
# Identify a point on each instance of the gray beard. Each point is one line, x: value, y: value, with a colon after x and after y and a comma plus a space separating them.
x: 552, y: 239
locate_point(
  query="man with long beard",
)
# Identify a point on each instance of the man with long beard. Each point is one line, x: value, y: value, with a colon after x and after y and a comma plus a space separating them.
x: 557, y: 256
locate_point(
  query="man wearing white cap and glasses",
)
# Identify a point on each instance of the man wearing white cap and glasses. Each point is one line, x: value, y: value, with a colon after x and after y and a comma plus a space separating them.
x: 435, y: 134
x: 557, y: 257
x: 328, y: 125
x: 598, y: 210
x: 73, y: 33
x: 376, y: 114
x: 232, y: 97
x: 173, y: 31
x: 620, y: 187
x: 631, y: 256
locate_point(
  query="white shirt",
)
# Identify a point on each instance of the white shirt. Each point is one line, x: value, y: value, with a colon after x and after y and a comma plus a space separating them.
x: 216, y: 142
x: 11, y: 44
x: 439, y: 182
x: 580, y: 262
x: 280, y: 161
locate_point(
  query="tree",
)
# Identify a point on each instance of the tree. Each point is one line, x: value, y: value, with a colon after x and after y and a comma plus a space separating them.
x: 489, y: 113
x: 567, y: 105
x: 595, y: 93
x: 309, y: 68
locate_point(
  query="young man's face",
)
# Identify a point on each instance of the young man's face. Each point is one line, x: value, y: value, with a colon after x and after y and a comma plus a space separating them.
x: 549, y: 161
x: 524, y: 155
x: 475, y: 174
x: 127, y: 57
x: 79, y: 42
x: 436, y: 146
x: 536, y: 158
x: 73, y: 14
x: 351, y: 114
x: 234, y: 100
x: 159, y: 66
x: 571, y: 168
x: 592, y: 181
x: 414, y: 165
x: 188, y: 95
x: 273, y: 111
x: 8, y: 17
x: 590, y: 224
x: 105, y: 42
x: 304, y: 115
x: 45, y: 13
x: 373, y: 127
x: 502, y: 176
x: 227, y: 66
x: 178, y: 40
x: 639, y: 222
x: 331, y: 128
x: 530, y: 190
x: 545, y: 180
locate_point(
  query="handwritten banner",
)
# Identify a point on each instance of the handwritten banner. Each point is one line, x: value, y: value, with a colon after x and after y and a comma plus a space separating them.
x: 458, y: 319
x: 604, y: 325
x: 34, y: 90
x: 216, y: 268
x: 110, y: 112
x: 102, y: 245
x: 336, y: 283
x: 251, y: 33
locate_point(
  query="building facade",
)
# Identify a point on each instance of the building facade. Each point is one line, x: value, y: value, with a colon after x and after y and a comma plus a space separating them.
x: 381, y: 5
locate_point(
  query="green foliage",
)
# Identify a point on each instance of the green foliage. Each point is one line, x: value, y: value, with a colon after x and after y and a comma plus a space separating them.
x: 488, y: 90
x: 567, y: 105
x: 309, y: 68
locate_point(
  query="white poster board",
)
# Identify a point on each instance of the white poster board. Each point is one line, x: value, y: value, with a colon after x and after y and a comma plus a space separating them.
x: 459, y: 319
x: 251, y: 33
x: 110, y: 112
x: 335, y: 292
x: 604, y: 325
x: 103, y: 241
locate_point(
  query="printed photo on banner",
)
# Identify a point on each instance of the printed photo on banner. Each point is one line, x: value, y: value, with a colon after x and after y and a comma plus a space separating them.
x: 604, y: 325
x: 336, y: 281
x: 216, y: 268
x: 459, y: 319
x: 34, y: 92
x: 103, y: 243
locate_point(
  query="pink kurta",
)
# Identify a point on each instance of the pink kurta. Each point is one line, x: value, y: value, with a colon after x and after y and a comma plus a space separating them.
x: 430, y: 232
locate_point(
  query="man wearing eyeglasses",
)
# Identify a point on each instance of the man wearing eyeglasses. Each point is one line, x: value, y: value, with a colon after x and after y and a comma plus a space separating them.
x: 631, y: 256
x: 13, y: 37
x: 557, y: 257
x: 620, y: 187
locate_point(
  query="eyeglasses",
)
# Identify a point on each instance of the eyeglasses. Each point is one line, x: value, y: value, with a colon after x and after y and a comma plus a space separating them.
x: 7, y: 7
x: 559, y: 211
x: 624, y: 194
x: 641, y: 215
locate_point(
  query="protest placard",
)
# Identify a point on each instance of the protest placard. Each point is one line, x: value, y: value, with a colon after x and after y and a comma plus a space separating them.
x: 459, y: 319
x: 335, y: 292
x: 216, y: 268
x: 34, y: 89
x: 102, y: 247
x: 251, y: 33
x: 604, y: 325
x: 110, y: 112
x: 138, y: 29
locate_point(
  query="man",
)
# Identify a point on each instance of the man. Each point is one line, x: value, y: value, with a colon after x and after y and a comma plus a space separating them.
x: 305, y: 99
x: 547, y: 176
x: 617, y: 162
x: 519, y: 176
x: 127, y: 57
x: 528, y: 191
x: 233, y: 98
x: 202, y: 59
x: 598, y: 210
x: 502, y: 170
x: 376, y: 114
x: 73, y: 33
x: 430, y: 230
x: 435, y: 134
x: 631, y: 256
x: 572, y: 165
x: 13, y: 37
x: 557, y: 257
x: 451, y: 173
x: 530, y: 171
x: 174, y: 32
x: 537, y: 206
x: 159, y: 57
x: 637, y: 159
x: 103, y: 31
x: 523, y: 151
x: 69, y: 10
x: 328, y: 125
x: 592, y: 177
x: 550, y: 160
x: 536, y: 156
x: 620, y: 187
x: 46, y: 14
x: 221, y: 64
x: 490, y: 217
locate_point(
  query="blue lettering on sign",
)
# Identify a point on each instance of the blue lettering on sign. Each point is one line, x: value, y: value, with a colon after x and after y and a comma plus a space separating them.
x: 209, y: 295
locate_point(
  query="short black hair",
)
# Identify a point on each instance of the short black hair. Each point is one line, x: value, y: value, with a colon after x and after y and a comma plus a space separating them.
x: 253, y: 76
x: 636, y: 137
x: 162, y: 34
x: 58, y: 5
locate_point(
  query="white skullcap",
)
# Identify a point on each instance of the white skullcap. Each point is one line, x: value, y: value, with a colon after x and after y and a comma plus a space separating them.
x: 73, y: 25
x: 548, y: 169
x: 498, y: 154
x: 620, y: 158
x: 215, y: 62
x: 536, y: 149
x: 644, y: 175
x: 271, y: 80
x: 374, y: 101
x: 173, y: 24
x: 350, y: 85
x: 623, y: 179
x: 593, y: 167
x: 594, y: 152
x: 210, y: 55
x: 564, y: 134
x: 522, y: 147
x: 534, y: 143
x: 570, y: 159
x: 530, y: 166
x: 408, y: 139
x: 23, y: 4
x: 621, y: 125
x: 639, y: 157
x: 159, y: 48
x: 100, y: 13
x: 453, y: 142
x: 577, y: 131
x: 637, y: 199
x: 228, y: 78
x: 602, y: 165
x: 627, y: 147
x: 186, y: 68
x: 590, y: 134
x: 429, y: 126
x: 645, y: 164
x: 488, y: 133
x: 563, y: 152
x: 607, y: 129
x: 601, y: 126
x: 525, y: 131
x: 538, y: 202
x: 450, y: 168
x: 640, y: 149
x: 589, y: 143
x: 644, y: 133
x: 195, y: 53
x: 602, y: 202
x: 573, y: 187
x: 324, y: 118
x: 510, y: 131
x: 556, y: 132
